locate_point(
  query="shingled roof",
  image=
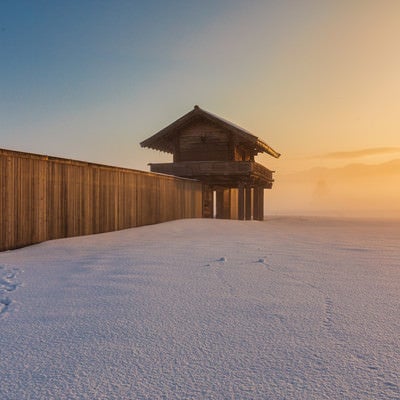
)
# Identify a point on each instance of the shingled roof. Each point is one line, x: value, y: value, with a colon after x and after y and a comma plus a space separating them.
x: 164, y: 139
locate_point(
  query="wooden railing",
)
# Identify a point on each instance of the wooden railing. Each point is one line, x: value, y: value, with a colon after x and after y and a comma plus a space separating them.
x: 210, y: 168
x: 260, y: 170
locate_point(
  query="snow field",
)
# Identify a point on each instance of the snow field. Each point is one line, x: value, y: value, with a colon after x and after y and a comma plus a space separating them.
x: 289, y: 308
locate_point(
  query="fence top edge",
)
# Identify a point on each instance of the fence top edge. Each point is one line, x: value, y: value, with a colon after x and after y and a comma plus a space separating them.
x: 79, y: 163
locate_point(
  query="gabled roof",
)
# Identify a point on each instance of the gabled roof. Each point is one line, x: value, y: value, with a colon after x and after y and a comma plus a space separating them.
x: 164, y: 139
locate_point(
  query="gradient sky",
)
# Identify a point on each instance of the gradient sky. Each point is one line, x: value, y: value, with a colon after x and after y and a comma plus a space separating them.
x: 317, y: 80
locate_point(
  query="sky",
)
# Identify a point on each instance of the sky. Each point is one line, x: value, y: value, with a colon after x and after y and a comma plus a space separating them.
x: 317, y: 80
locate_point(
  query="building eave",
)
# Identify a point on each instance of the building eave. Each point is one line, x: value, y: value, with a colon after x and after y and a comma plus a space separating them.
x: 162, y: 140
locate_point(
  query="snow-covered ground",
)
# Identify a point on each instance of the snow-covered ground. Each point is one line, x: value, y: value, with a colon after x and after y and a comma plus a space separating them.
x: 289, y: 308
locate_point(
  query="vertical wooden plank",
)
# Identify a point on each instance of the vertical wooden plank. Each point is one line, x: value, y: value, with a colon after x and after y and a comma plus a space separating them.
x: 19, y: 189
x: 116, y: 175
x: 199, y: 199
x: 174, y: 202
x: 10, y: 203
x: 35, y: 203
x: 2, y: 207
x: 69, y: 210
x: 120, y: 189
x: 54, y: 205
x: 163, y: 206
x: 132, y: 201
x: 18, y: 178
x: 102, y: 206
x: 178, y: 208
x: 139, y: 190
x: 84, y: 183
x: 155, y: 200
x: 185, y: 205
x: 42, y: 206
x: 49, y: 202
x: 78, y: 201
x: 95, y: 201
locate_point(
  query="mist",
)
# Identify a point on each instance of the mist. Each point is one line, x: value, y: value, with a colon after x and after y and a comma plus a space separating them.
x: 359, y: 190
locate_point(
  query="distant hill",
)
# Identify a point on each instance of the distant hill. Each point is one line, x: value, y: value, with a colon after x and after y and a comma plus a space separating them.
x: 351, y: 171
x: 354, y: 187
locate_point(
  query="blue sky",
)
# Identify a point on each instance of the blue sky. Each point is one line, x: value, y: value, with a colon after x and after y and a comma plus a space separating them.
x: 70, y: 67
x: 91, y: 79
x: 56, y: 53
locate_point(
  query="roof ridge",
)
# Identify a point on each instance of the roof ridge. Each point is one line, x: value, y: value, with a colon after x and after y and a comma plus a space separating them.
x: 162, y: 135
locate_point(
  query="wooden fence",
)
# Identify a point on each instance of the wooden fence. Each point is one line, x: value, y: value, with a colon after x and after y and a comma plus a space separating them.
x: 46, y: 198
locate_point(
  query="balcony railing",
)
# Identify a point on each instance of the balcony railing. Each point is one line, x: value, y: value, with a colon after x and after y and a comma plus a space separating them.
x: 198, y: 169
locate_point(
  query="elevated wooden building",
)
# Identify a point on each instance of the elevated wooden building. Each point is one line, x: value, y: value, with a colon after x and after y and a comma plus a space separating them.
x: 221, y: 156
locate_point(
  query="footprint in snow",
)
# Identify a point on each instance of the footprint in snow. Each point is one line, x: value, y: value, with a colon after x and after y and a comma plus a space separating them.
x: 4, y: 303
x: 7, y: 284
x: 328, y: 320
x: 220, y: 260
x: 264, y: 262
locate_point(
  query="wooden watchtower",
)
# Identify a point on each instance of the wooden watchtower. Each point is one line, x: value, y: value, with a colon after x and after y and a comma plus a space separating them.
x: 221, y: 156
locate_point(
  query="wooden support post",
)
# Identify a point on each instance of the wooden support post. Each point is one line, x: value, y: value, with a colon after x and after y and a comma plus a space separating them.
x: 248, y: 203
x: 223, y: 203
x: 241, y: 202
x: 256, y: 208
x: 234, y: 203
x: 226, y: 204
x: 220, y: 204
x: 259, y: 203
x: 208, y: 202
